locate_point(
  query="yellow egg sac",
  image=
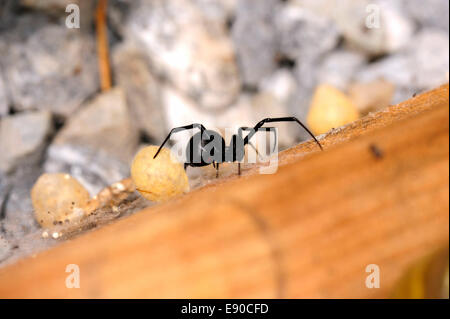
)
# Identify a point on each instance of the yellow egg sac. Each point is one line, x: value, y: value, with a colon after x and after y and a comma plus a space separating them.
x: 330, y: 108
x: 158, y: 179
x: 58, y: 198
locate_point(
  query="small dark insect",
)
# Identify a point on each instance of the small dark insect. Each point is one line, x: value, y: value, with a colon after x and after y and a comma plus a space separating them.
x: 208, y: 147
x: 376, y: 151
x: 414, y: 94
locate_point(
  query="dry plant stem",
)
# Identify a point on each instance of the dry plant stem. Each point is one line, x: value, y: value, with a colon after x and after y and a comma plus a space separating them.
x: 102, y: 46
x: 377, y: 194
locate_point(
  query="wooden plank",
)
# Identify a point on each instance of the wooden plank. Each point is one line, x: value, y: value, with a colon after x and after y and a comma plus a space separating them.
x: 378, y: 194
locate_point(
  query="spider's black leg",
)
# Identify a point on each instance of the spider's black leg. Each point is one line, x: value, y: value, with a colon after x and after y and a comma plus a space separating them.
x: 185, y: 166
x: 279, y: 119
x: 239, y: 169
x: 178, y: 129
x: 271, y: 129
x: 217, y: 170
x: 256, y: 150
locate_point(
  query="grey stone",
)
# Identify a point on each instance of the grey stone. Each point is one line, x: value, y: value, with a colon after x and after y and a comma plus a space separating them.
x: 6, y: 13
x: 255, y: 39
x: 48, y: 66
x: 102, y: 124
x: 21, y: 27
x: 118, y: 11
x: 181, y: 110
x: 422, y: 65
x: 281, y: 84
x: 430, y: 54
x: 306, y: 74
x: 23, y: 137
x: 191, y: 51
x: 339, y: 67
x: 94, y: 169
x: 142, y: 89
x: 97, y: 144
x: 303, y: 35
x: 432, y: 14
x: 4, y: 99
x: 19, y: 217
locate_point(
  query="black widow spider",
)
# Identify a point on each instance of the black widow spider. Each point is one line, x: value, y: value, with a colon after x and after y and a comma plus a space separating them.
x: 208, y: 147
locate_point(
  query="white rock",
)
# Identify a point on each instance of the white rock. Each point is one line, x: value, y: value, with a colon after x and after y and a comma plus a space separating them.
x: 181, y: 110
x: 97, y: 144
x: 306, y: 75
x: 191, y: 51
x: 143, y: 92
x: 280, y: 84
x: 287, y: 99
x: 303, y: 35
x: 430, y: 54
x: 102, y: 124
x: 48, y: 66
x: 255, y: 39
x: 22, y: 138
x: 339, y: 67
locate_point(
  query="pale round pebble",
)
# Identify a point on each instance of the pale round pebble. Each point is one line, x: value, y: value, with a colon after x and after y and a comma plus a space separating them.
x: 57, y: 198
x: 158, y: 179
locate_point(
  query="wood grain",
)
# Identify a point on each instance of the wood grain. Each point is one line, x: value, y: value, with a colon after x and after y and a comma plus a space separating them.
x: 378, y: 194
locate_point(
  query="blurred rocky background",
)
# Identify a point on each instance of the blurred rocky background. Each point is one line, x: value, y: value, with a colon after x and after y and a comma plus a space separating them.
x: 223, y: 63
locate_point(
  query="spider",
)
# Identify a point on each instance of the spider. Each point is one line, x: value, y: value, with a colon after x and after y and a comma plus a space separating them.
x: 208, y: 147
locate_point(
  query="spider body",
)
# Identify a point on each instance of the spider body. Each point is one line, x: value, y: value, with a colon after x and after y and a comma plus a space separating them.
x: 208, y: 147
x: 205, y: 148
